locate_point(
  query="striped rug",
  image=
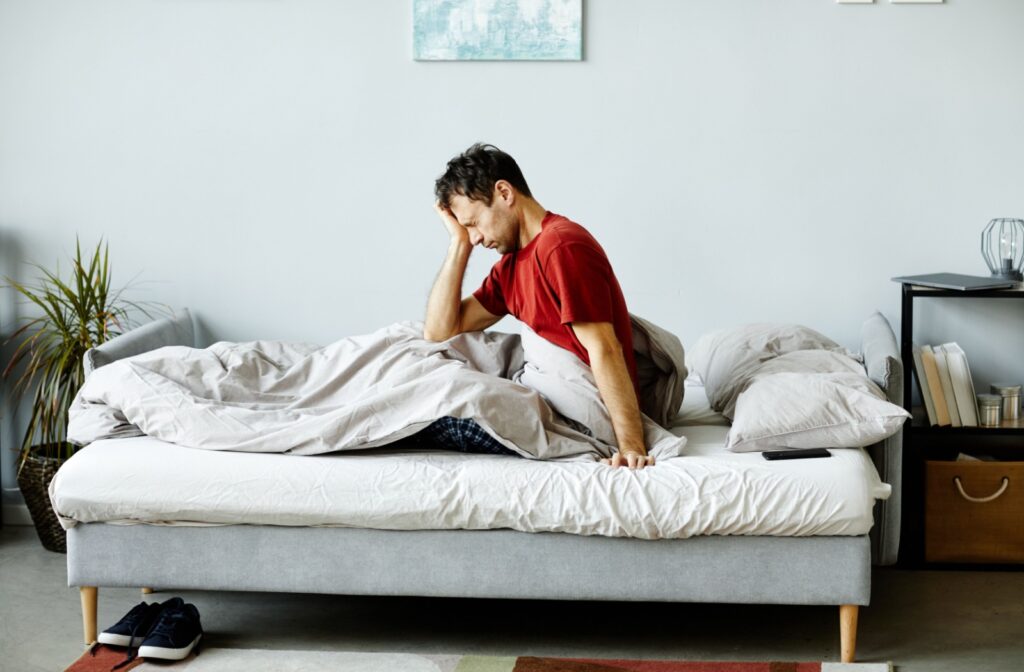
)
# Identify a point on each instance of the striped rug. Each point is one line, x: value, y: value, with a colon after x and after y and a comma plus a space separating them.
x: 276, y: 660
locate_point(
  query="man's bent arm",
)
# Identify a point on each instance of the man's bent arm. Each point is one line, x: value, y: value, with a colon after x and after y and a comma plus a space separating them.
x: 608, y: 363
x: 444, y: 307
x: 446, y: 315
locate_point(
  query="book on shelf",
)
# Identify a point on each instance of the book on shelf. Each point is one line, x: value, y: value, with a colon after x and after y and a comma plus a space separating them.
x: 931, y: 379
x: 945, y: 383
x: 963, y: 385
x: 922, y: 385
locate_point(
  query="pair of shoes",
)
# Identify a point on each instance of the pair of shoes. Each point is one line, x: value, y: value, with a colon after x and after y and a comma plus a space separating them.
x: 168, y: 630
x: 176, y: 633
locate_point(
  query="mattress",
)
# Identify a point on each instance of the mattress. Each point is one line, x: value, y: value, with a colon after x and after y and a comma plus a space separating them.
x: 708, y: 491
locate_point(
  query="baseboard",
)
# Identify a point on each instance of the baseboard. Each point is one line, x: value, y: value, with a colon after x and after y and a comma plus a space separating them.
x: 16, y: 514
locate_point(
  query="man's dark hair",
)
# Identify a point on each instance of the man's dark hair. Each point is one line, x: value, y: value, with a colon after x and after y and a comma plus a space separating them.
x: 474, y: 172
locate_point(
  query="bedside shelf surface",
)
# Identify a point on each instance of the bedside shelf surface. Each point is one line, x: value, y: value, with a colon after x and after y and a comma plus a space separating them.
x: 919, y: 424
x: 1008, y: 293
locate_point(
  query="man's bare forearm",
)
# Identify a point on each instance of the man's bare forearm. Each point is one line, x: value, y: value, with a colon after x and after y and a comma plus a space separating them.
x: 445, y: 302
x: 618, y: 394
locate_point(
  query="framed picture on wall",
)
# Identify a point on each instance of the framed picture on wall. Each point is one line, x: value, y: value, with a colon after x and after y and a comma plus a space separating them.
x: 497, y: 30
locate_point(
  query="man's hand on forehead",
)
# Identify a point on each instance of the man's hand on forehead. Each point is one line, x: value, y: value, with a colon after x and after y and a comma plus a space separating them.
x: 456, y: 231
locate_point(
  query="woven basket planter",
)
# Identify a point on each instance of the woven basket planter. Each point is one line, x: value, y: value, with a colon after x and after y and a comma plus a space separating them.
x: 34, y: 482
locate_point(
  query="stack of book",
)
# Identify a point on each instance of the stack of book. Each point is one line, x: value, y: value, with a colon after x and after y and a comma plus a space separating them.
x: 944, y: 380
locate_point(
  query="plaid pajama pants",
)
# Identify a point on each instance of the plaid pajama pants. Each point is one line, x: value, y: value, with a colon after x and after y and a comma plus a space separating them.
x: 461, y: 434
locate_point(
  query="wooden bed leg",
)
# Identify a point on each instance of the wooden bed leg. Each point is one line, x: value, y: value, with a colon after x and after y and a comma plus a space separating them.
x: 89, y: 599
x: 848, y: 631
x: 147, y: 591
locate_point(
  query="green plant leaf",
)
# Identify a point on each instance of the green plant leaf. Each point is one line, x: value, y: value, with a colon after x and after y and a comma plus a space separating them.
x: 78, y: 313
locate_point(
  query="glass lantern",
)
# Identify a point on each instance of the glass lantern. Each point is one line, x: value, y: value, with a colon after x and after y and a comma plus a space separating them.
x: 1002, y: 246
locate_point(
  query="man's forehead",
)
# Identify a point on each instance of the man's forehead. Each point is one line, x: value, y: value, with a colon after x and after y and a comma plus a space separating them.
x: 464, y: 209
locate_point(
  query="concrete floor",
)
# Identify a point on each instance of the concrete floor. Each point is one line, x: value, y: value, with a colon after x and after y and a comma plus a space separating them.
x: 924, y: 621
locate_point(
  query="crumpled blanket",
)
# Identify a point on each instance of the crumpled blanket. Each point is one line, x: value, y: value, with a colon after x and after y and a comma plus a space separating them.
x: 367, y: 391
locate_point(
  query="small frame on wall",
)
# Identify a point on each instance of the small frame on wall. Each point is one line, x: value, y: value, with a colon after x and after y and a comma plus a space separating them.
x: 498, y: 30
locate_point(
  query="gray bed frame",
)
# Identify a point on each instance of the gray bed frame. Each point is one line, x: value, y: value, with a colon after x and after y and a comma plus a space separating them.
x: 494, y: 563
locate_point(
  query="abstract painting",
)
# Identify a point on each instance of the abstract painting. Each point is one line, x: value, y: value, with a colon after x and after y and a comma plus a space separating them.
x: 498, y: 30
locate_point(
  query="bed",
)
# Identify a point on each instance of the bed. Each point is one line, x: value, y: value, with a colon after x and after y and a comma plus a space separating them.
x: 713, y: 526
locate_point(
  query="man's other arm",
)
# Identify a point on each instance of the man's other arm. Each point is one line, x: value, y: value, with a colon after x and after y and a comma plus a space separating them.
x: 447, y: 315
x: 608, y: 363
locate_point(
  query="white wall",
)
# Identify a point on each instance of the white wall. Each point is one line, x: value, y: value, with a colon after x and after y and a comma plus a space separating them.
x: 270, y: 163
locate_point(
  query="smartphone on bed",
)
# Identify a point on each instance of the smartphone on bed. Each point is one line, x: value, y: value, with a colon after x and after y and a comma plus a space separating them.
x: 798, y: 454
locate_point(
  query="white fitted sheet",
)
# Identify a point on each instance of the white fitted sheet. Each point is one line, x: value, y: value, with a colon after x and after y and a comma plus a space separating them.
x: 707, y: 491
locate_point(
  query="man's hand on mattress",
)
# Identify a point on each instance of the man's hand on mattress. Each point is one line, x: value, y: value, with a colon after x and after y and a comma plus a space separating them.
x: 630, y: 459
x: 457, y: 231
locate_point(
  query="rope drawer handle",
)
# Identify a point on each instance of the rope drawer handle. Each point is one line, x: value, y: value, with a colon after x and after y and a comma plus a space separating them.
x: 981, y: 500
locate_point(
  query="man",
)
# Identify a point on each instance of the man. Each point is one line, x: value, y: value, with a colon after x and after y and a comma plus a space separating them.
x: 553, y: 276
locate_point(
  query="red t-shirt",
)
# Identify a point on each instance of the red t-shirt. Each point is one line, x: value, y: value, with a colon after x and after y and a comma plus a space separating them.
x: 561, y: 276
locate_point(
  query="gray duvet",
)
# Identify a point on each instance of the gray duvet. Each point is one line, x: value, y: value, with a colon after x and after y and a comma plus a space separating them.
x: 371, y: 390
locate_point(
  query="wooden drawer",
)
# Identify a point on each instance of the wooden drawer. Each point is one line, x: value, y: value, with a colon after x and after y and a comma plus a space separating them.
x: 974, y: 511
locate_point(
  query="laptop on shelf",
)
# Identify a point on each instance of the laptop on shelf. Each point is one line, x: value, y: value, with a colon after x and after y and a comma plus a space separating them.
x: 963, y: 283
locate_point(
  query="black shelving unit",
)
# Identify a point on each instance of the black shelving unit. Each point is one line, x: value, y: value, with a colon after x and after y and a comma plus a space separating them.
x: 921, y: 441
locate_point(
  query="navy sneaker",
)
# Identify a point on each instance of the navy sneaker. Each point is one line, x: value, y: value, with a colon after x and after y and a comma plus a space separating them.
x: 134, y: 625
x: 176, y: 632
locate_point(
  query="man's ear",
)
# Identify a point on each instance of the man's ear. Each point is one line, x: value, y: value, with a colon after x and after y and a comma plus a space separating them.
x: 503, y: 189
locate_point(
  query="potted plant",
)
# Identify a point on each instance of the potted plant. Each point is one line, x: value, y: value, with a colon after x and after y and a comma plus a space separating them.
x: 76, y: 315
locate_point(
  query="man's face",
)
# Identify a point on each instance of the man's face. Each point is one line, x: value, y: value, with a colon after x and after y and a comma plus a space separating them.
x: 494, y: 226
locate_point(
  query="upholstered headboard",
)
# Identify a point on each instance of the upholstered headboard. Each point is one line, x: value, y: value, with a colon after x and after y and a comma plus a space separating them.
x: 882, y: 360
x: 174, y: 330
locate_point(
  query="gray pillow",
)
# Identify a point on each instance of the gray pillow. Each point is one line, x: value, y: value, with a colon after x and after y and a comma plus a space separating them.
x: 812, y: 408
x: 726, y: 359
